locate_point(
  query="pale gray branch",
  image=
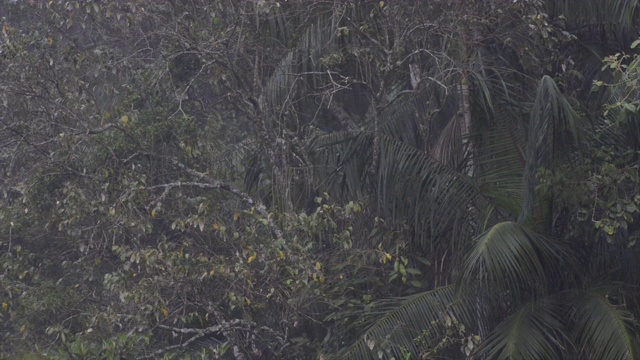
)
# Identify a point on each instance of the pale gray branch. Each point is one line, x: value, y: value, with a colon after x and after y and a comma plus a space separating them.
x: 219, y: 185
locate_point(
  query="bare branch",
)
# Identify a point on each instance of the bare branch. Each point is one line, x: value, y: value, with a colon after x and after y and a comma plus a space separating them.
x: 99, y: 130
x: 219, y: 185
x: 345, y: 119
x: 224, y: 327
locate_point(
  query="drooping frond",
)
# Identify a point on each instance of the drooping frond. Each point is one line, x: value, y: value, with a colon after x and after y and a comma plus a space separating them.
x: 482, y: 94
x: 499, y: 141
x: 448, y: 148
x: 500, y: 162
x: 623, y: 13
x: 605, y: 329
x: 341, y: 160
x: 553, y: 123
x: 510, y: 258
x: 415, y: 187
x: 301, y: 64
x: 402, y: 121
x: 533, y: 332
x: 410, y: 326
x: 410, y: 185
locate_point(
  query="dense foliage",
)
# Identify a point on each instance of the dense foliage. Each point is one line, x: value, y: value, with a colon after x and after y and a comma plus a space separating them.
x: 319, y: 179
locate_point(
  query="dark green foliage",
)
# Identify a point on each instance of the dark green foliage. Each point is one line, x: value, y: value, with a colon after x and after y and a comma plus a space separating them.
x: 317, y: 179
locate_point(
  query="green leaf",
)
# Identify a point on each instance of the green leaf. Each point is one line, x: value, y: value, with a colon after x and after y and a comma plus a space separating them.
x: 413, y: 271
x: 629, y: 107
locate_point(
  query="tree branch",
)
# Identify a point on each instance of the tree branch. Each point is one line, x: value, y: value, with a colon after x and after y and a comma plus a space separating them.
x: 219, y: 185
x: 199, y: 333
x: 99, y: 130
x: 221, y: 328
x: 345, y: 119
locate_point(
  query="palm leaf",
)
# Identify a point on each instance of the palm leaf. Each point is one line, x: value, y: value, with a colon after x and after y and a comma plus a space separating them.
x: 411, y: 187
x: 448, y: 148
x: 535, y: 331
x: 552, y: 121
x: 341, y: 160
x: 411, y: 325
x: 604, y: 330
x: 500, y: 163
x: 401, y: 121
x: 317, y: 40
x: 414, y: 187
x: 598, y: 12
x: 509, y: 258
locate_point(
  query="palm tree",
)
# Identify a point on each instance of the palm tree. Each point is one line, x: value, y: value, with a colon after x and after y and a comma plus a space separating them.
x: 530, y: 289
x: 441, y: 120
x: 469, y: 123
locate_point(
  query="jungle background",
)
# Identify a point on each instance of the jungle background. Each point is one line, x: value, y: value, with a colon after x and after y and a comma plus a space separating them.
x: 319, y: 179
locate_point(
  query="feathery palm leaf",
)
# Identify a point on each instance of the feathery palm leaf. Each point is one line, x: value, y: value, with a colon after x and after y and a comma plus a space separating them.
x: 584, y: 13
x: 535, y: 331
x: 341, y: 160
x: 604, y: 330
x: 317, y: 41
x: 415, y: 187
x: 410, y: 326
x: 552, y: 121
x: 448, y: 148
x: 500, y: 162
x: 411, y: 186
x: 509, y: 258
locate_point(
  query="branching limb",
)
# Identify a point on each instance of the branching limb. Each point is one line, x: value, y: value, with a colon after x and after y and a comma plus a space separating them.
x: 219, y: 185
x: 223, y: 328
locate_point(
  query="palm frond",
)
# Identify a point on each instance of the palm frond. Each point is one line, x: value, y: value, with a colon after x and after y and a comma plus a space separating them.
x: 509, y: 258
x: 411, y: 187
x: 619, y: 12
x: 482, y: 94
x: 552, y: 121
x: 414, y: 187
x: 500, y: 162
x: 535, y: 331
x: 410, y: 326
x: 318, y: 40
x: 448, y: 148
x: 341, y: 160
x: 401, y: 121
x: 604, y: 330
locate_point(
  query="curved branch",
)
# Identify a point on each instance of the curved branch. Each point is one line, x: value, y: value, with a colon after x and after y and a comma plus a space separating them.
x: 255, y: 204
